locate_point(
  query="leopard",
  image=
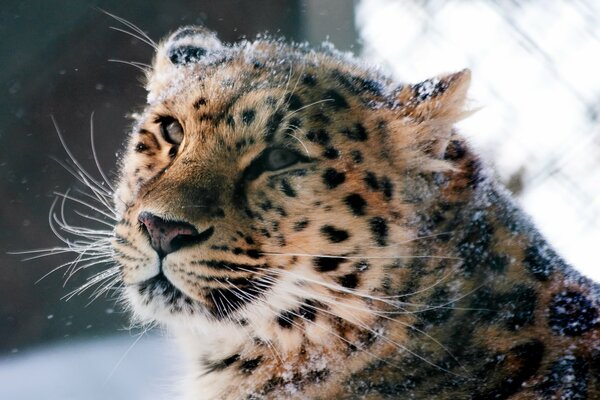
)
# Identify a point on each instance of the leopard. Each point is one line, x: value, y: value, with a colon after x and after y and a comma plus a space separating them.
x: 307, y: 227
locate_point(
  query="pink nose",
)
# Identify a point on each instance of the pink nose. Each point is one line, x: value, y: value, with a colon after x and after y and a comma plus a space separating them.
x: 169, y: 236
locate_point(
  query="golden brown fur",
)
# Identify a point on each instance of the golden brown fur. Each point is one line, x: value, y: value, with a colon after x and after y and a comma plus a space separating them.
x: 382, y: 262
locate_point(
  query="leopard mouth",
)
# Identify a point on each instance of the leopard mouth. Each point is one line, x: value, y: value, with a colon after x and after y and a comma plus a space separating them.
x: 160, y: 285
x: 221, y: 298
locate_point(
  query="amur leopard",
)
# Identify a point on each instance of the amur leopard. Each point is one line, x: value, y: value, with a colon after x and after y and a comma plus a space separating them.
x: 309, y: 228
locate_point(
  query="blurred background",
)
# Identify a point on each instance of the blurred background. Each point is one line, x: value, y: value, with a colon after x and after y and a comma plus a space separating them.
x: 535, y: 76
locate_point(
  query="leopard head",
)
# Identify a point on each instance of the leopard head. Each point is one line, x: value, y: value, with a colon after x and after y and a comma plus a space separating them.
x: 264, y: 186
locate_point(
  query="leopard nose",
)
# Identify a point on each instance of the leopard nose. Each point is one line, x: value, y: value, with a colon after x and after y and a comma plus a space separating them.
x: 169, y: 236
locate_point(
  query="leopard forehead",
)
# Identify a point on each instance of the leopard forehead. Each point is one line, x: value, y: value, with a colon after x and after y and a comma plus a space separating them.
x: 260, y: 174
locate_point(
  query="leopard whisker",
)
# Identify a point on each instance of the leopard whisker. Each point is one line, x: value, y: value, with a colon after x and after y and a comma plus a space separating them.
x: 86, y: 176
x: 309, y: 105
x: 114, y: 285
x: 104, y: 258
x: 93, y: 280
x: 66, y: 196
x: 141, y: 35
x: 383, y: 299
x: 142, y: 67
x: 92, y: 218
x: 95, y: 154
x: 299, y: 141
x: 362, y: 325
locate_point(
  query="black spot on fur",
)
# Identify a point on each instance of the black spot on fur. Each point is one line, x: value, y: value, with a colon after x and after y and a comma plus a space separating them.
x: 317, y: 376
x: 357, y: 85
x: 371, y: 181
x: 319, y: 136
x: 498, y: 262
x: 474, y: 246
x: 572, y: 314
x: 455, y: 151
x: 248, y: 116
x: 266, y: 205
x: 309, y: 79
x: 356, y: 203
x: 230, y: 121
x: 295, y: 122
x: 286, y: 319
x: 308, y: 311
x: 326, y: 264
x: 253, y: 253
x: 333, y: 234
x: 349, y: 281
x: 539, y: 260
x: 321, y: 118
x: 331, y: 153
x: 270, y: 386
x: 567, y: 375
x: 525, y: 360
x: 440, y: 307
x: 379, y: 229
x: 428, y: 89
x: 301, y: 225
x: 293, y: 101
x: 186, y: 54
x: 357, y: 156
x: 357, y: 133
x: 272, y: 125
x: 338, y: 102
x: 287, y: 189
x: 332, y: 178
x: 221, y: 364
x: 248, y: 366
x: 514, y: 309
x: 271, y: 101
x: 387, y: 187
x: 474, y: 171
x: 199, y: 103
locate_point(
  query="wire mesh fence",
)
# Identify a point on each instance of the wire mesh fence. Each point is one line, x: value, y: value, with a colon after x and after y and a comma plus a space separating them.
x: 535, y: 76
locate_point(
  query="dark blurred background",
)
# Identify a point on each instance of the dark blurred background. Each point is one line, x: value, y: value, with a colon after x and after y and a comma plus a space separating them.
x: 54, y: 62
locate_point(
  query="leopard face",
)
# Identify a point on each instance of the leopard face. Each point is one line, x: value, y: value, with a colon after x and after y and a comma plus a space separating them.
x: 257, y: 187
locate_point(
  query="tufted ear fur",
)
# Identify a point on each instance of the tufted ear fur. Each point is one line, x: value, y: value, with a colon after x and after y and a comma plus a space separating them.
x: 189, y: 45
x: 432, y: 107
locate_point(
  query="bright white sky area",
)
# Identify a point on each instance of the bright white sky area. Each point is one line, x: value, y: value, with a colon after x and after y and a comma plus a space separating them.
x: 107, y: 369
x: 536, y: 76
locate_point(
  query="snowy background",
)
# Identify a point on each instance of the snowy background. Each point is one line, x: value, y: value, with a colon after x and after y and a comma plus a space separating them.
x: 535, y: 75
x: 116, y: 368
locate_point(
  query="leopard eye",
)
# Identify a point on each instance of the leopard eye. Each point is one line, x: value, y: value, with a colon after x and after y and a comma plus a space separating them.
x: 279, y: 158
x: 171, y: 130
x: 272, y: 159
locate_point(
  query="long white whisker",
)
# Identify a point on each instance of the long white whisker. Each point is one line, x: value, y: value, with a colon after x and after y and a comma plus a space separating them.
x: 143, y: 36
x: 95, y: 155
x: 131, y: 63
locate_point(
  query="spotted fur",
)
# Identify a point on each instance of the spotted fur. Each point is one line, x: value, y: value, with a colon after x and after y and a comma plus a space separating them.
x: 348, y: 243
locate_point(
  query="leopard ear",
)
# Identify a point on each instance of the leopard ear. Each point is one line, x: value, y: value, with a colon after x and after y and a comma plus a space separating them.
x: 433, y: 106
x: 190, y: 44
x: 186, y: 46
